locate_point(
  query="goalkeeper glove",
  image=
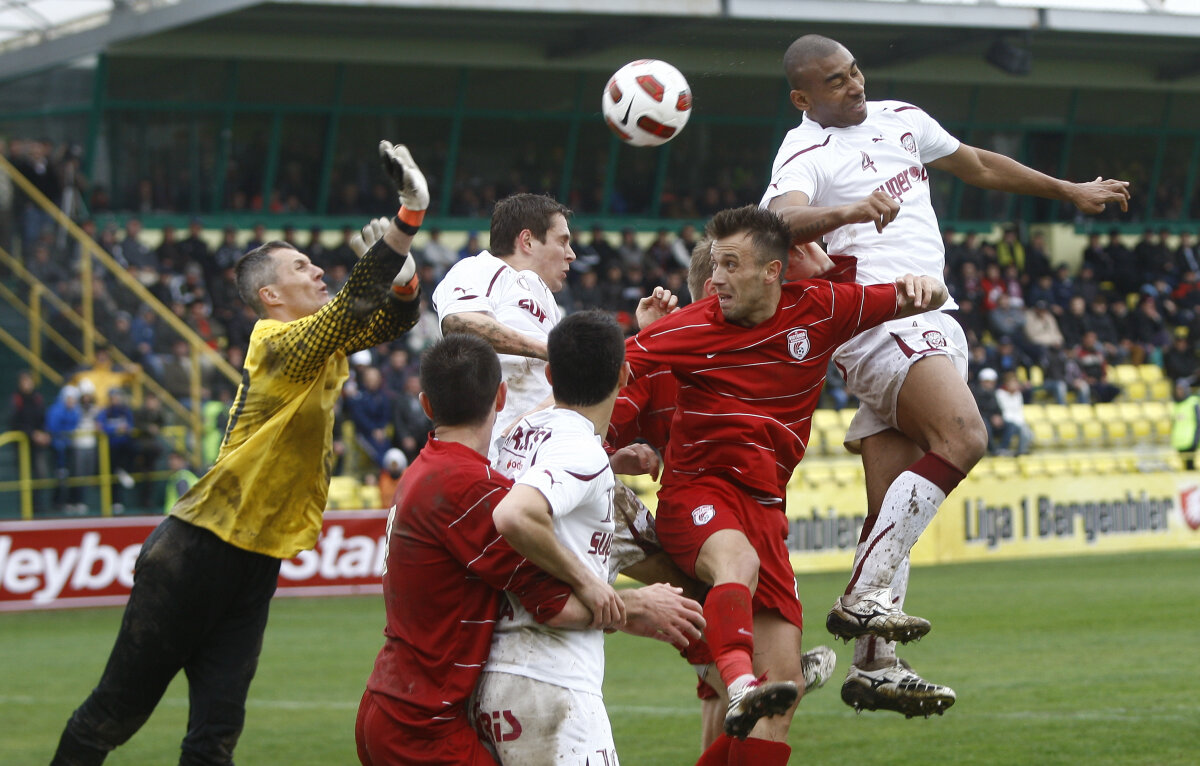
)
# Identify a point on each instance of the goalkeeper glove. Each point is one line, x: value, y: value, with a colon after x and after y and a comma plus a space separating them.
x: 405, y: 284
x: 410, y: 181
x: 371, y: 233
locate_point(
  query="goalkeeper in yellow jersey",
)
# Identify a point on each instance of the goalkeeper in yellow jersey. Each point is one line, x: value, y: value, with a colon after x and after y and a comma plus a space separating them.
x: 204, y: 578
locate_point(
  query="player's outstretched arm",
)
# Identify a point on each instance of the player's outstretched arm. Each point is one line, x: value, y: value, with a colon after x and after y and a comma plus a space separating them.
x: 916, y: 295
x: 808, y: 222
x: 524, y: 518
x: 989, y: 170
x: 503, y: 339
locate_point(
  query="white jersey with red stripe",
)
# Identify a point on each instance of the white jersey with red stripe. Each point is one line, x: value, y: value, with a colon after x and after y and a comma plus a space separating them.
x: 519, y: 300
x: 886, y: 152
x: 558, y: 453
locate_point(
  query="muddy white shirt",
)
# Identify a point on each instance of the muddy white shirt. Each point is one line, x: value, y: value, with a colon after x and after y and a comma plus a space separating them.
x: 887, y: 152
x: 558, y: 453
x: 519, y: 300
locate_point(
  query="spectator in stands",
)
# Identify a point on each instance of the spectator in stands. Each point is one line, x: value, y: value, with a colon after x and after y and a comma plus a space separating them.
x: 45, y: 268
x: 1009, y: 250
x: 1127, y: 350
x: 1185, y: 424
x: 660, y: 254
x: 1096, y: 257
x: 148, y: 423
x: 27, y: 414
x: 316, y: 250
x: 397, y: 369
x: 1087, y: 286
x: 62, y: 418
x: 439, y: 256
x: 411, y: 425
x: 1041, y: 290
x: 179, y: 481
x: 102, y: 375
x: 34, y: 160
x: 214, y: 417
x: 85, y: 438
x: 131, y: 252
x: 1187, y: 256
x: 994, y: 287
x: 629, y: 252
x: 587, y: 293
x: 1061, y: 375
x: 472, y: 247
x: 973, y: 323
x: 1126, y: 275
x: 394, y: 464
x: 168, y: 254
x: 835, y: 387
x: 1008, y: 318
x: 1037, y: 258
x: 1011, y: 399
x: 1180, y: 361
x: 371, y: 412
x: 1100, y: 320
x: 1005, y: 356
x: 681, y: 248
x: 117, y: 422
x: 1150, y: 256
x: 999, y: 431
x: 228, y: 253
x: 1094, y: 362
x: 1147, y: 328
x: 1064, y: 289
x: 343, y: 255
x: 176, y: 375
x: 1041, y: 330
x: 258, y: 237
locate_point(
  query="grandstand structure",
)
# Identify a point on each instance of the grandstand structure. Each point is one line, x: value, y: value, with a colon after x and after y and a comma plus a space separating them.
x: 248, y: 112
x: 243, y: 110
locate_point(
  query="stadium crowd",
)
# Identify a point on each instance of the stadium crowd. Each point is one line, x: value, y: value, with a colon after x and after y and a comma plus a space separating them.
x: 1021, y: 306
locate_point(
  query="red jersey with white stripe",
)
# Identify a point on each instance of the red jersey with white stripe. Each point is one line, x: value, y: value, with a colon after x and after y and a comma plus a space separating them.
x: 886, y: 152
x: 445, y: 568
x: 746, y: 394
x: 644, y: 410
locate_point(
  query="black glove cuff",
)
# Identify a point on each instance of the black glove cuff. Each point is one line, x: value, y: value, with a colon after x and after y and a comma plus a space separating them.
x: 407, y: 228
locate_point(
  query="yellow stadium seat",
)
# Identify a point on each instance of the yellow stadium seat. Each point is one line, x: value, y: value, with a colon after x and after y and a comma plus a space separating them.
x: 1057, y: 413
x: 825, y: 419
x: 1043, y: 433
x: 344, y: 494
x: 1068, y: 434
x: 1150, y: 372
x: 1141, y: 431
x: 1117, y: 433
x: 1129, y: 411
x: 846, y: 414
x: 816, y: 442
x: 1123, y: 374
x: 1160, y: 390
x: 1081, y: 413
x: 1137, y: 390
x: 1091, y: 433
x: 1004, y: 467
x: 1036, y: 376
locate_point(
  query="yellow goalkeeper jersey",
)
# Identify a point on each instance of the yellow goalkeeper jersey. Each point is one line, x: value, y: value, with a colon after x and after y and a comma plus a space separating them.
x: 266, y: 491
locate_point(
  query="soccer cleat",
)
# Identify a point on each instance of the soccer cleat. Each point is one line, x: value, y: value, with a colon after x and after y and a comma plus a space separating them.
x: 755, y: 700
x: 896, y: 687
x: 874, y: 615
x: 817, y: 664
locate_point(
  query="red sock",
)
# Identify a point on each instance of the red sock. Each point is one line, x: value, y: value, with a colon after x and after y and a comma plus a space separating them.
x: 759, y: 752
x: 717, y: 753
x: 730, y: 631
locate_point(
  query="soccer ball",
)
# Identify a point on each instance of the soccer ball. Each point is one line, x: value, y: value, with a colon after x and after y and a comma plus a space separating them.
x: 647, y: 102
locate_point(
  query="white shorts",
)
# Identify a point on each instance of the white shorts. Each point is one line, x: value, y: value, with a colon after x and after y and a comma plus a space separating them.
x: 533, y: 723
x: 877, y: 361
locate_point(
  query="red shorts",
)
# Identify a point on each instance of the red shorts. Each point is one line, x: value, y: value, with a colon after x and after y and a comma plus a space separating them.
x: 384, y: 741
x: 688, y: 514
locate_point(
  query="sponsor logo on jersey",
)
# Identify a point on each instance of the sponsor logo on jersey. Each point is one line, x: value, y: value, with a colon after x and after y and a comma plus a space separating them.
x: 703, y: 514
x: 934, y: 338
x: 798, y: 344
x: 909, y: 143
x: 868, y: 163
x: 530, y: 305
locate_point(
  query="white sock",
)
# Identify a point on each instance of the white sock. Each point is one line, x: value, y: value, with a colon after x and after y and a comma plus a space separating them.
x: 910, y: 504
x: 872, y: 650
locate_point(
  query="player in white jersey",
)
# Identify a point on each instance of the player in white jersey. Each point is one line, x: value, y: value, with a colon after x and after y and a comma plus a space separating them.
x: 506, y: 296
x: 539, y: 700
x: 854, y: 172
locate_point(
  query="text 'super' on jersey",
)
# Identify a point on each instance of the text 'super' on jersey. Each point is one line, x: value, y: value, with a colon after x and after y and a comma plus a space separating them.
x: 887, y: 152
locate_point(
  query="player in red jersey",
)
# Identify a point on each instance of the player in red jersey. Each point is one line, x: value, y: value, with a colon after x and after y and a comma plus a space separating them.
x: 750, y: 364
x: 445, y: 568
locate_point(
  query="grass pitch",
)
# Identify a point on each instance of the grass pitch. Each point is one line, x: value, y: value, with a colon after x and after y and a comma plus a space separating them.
x: 1090, y: 660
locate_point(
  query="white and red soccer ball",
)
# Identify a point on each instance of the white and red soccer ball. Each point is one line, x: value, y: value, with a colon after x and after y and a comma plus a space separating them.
x: 647, y: 102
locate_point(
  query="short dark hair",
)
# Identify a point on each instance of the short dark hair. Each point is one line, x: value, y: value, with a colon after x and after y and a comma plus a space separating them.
x: 771, y: 236
x: 803, y: 52
x: 586, y: 352
x: 519, y: 212
x: 460, y: 375
x: 255, y: 270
